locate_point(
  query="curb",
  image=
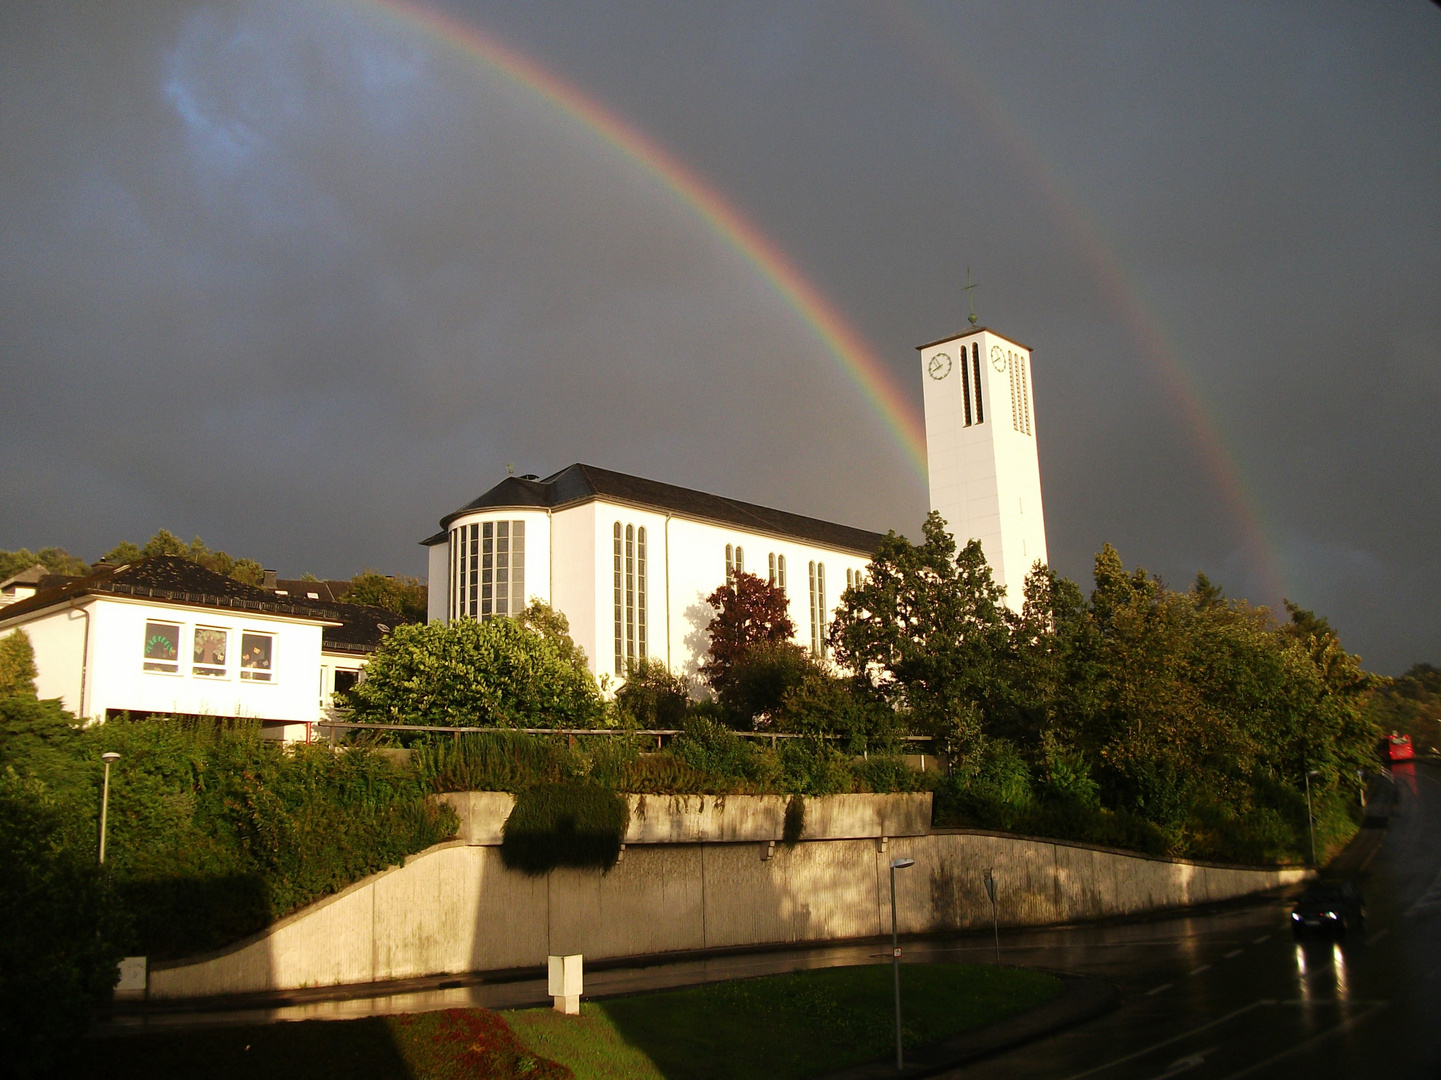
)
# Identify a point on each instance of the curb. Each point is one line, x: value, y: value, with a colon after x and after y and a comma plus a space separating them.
x: 1084, y: 998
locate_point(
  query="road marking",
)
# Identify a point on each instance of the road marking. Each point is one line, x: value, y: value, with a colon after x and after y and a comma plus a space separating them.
x: 1233, y: 954
x: 1203, y: 967
x: 1187, y: 1063
x: 1262, y: 939
x: 1174, y: 1038
x: 1159, y: 989
x: 1346, y: 1025
x: 1377, y: 936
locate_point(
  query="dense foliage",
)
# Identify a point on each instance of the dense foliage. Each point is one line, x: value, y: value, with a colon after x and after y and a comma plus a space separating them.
x: 1176, y: 721
x: 54, y: 559
x: 17, y: 664
x: 570, y: 823
x: 165, y: 542
x: 1410, y: 705
x: 213, y: 831
x: 401, y: 595
x: 524, y: 672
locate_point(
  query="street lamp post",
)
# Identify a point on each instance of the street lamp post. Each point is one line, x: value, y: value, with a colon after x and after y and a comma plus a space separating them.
x: 897, y: 864
x: 108, y: 758
x: 1310, y: 818
x: 990, y: 880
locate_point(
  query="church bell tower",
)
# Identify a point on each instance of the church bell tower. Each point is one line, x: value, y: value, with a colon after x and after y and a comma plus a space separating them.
x: 985, y: 475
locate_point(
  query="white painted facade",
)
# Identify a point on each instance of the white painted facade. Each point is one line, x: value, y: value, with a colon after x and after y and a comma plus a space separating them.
x: 570, y: 555
x: 91, y: 653
x: 985, y: 475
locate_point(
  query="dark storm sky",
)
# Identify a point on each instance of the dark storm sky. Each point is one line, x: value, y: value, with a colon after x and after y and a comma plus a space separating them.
x: 300, y: 278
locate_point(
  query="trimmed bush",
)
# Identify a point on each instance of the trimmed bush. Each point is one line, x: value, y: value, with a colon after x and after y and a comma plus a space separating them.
x: 565, y: 824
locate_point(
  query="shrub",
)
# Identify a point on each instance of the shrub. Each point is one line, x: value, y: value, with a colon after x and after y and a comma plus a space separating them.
x: 17, y: 664
x: 566, y: 824
x: 469, y: 673
x: 652, y: 697
x: 61, y: 943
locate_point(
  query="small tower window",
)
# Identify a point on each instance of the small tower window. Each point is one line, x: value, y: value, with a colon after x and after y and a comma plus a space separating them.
x: 966, y: 386
x: 976, y: 367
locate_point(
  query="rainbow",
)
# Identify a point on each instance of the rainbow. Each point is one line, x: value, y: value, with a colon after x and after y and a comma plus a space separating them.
x: 925, y: 38
x: 844, y: 343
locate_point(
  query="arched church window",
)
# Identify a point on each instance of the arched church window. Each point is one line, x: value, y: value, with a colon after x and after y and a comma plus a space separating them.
x: 630, y: 574
x: 730, y: 565
x: 772, y: 577
x: 640, y: 593
x: 966, y: 386
x: 976, y: 367
x: 630, y: 595
x: 619, y: 600
x: 781, y: 573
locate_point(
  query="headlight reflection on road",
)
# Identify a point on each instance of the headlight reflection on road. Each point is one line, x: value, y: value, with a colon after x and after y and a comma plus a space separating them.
x: 1338, y: 964
x: 1301, y: 982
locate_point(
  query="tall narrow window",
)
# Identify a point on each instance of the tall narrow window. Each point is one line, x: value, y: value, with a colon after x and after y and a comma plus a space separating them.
x: 502, y: 568
x: 618, y: 559
x: 772, y: 577
x: 454, y: 573
x: 850, y: 578
x: 640, y: 593
x: 740, y: 560
x: 484, y: 594
x: 815, y: 617
x: 976, y: 367
x: 730, y: 564
x: 1025, y: 400
x: 821, y: 602
x: 966, y: 386
x: 1013, y: 369
x: 630, y: 596
x: 781, y: 573
x: 517, y: 567
x: 475, y: 560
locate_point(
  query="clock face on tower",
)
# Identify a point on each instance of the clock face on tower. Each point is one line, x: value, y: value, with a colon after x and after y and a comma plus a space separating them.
x: 940, y: 366
x: 998, y: 358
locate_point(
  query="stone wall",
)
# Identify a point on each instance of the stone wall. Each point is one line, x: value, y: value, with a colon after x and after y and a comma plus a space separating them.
x: 456, y: 908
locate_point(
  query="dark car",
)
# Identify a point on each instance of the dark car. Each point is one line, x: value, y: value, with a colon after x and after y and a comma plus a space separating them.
x: 1328, y: 907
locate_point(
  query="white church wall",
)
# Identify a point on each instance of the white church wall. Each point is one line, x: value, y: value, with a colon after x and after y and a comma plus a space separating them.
x: 437, y: 597
x: 573, y: 576
x: 605, y: 517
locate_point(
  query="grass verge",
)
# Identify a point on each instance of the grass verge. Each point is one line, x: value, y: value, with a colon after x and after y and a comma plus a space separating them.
x: 780, y: 1027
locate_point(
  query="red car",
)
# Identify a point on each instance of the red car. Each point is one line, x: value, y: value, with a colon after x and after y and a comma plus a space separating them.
x: 1398, y: 747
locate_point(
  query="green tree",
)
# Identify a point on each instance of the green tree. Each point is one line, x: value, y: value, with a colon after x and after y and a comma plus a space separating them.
x: 501, y: 672
x: 926, y: 628
x: 166, y: 542
x: 404, y: 596
x: 651, y: 697
x: 17, y: 664
x: 55, y: 560
x: 1410, y: 705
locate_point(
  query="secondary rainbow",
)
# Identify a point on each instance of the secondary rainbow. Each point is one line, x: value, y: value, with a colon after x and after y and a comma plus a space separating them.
x: 842, y: 341
x: 928, y: 39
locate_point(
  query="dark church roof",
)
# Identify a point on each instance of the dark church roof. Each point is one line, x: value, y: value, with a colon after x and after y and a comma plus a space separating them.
x: 170, y: 579
x: 583, y: 483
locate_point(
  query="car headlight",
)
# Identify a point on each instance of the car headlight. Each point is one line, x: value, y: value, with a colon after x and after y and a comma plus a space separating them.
x: 1296, y: 915
x: 1329, y: 915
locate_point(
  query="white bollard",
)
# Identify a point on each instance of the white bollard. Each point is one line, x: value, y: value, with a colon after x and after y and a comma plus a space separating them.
x: 566, y: 979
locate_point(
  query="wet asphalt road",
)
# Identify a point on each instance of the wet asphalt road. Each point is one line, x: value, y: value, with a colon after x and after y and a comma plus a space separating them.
x: 1224, y: 993
x: 1233, y: 994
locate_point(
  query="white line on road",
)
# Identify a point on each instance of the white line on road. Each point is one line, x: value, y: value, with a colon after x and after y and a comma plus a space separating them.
x: 1310, y: 1042
x: 1261, y: 939
x: 1203, y: 967
x: 1157, y: 990
x: 1377, y: 936
x: 1175, y: 1038
x: 1233, y: 954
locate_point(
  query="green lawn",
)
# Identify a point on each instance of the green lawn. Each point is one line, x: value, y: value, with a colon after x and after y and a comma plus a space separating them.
x: 777, y: 1027
x: 781, y: 1027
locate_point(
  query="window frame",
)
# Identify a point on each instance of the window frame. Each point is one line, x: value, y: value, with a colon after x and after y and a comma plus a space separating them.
x: 156, y: 665
x: 247, y: 673
x: 210, y: 671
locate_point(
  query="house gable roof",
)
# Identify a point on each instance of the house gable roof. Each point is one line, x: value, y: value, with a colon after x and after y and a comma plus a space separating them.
x: 584, y: 483
x: 166, y: 579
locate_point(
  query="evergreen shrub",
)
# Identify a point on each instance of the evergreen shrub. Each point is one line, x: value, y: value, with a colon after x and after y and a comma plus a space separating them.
x: 570, y: 823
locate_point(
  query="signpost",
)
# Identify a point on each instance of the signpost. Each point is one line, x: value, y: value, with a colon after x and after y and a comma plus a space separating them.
x: 897, y: 864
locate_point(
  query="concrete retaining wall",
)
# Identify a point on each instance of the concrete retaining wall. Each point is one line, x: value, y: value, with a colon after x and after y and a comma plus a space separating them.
x: 456, y: 908
x: 729, y: 819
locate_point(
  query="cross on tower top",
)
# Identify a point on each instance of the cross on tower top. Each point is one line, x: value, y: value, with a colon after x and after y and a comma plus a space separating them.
x: 969, y: 286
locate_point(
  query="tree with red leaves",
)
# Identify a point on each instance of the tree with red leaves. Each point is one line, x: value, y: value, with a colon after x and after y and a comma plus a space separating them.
x: 751, y: 616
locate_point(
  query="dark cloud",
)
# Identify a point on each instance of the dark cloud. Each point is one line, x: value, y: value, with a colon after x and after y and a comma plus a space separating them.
x: 301, y: 278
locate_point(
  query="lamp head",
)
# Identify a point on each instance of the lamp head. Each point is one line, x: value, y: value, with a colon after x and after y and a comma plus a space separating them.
x: 109, y: 756
x: 901, y: 864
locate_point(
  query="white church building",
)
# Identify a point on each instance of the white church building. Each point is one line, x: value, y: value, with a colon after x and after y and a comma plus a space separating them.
x: 630, y: 561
